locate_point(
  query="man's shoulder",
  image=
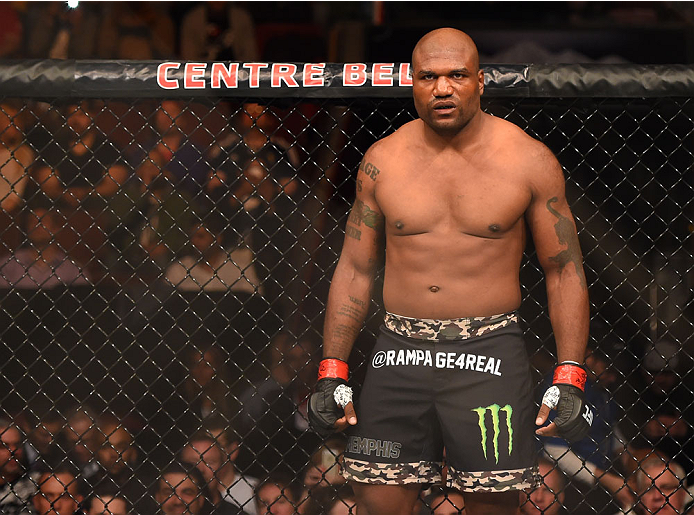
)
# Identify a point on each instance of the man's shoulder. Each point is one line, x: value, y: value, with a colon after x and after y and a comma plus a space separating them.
x: 392, y: 146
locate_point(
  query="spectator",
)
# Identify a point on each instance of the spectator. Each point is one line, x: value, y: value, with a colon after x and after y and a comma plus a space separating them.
x: 211, y: 268
x: 548, y: 497
x: 661, y: 487
x: 106, y: 501
x: 325, y: 467
x: 81, y: 168
x: 16, y: 486
x: 278, y: 494
x: 118, y: 463
x: 329, y: 500
x: 56, y: 31
x: 11, y: 31
x: 218, y: 31
x: 276, y: 407
x: 136, y: 30
x: 588, y: 461
x: 660, y: 408
x: 181, y: 491
x: 59, y: 493
x: 216, y: 463
x: 443, y: 501
x: 41, y: 263
x: 16, y: 159
x: 43, y: 446
x: 80, y: 434
x: 152, y: 220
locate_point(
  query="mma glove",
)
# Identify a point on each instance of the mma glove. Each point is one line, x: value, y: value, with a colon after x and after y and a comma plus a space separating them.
x: 330, y: 396
x: 574, y: 417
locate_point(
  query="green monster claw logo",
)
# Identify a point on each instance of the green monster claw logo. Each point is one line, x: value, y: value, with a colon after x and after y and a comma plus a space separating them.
x: 494, y: 409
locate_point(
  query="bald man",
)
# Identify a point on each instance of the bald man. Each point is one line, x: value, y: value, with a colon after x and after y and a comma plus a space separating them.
x: 452, y: 194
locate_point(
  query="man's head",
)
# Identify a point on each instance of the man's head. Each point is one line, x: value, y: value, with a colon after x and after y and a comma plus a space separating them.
x: 661, y: 487
x: 79, y: 433
x: 107, y: 501
x: 279, y: 494
x: 447, y: 80
x: 117, y: 451
x: 180, y: 491
x: 205, y: 452
x: 58, y: 493
x: 548, y: 497
x: 11, y: 452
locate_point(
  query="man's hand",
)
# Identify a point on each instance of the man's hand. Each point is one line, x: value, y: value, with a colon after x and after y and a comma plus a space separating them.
x: 330, y: 407
x: 574, y: 417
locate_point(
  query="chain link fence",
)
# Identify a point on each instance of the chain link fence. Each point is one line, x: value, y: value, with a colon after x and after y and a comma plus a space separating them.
x: 165, y: 267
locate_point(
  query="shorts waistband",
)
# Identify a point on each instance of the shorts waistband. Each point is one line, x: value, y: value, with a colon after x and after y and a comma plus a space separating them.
x: 452, y: 329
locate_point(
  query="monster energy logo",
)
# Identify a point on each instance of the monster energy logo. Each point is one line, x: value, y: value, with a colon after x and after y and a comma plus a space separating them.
x: 494, y: 409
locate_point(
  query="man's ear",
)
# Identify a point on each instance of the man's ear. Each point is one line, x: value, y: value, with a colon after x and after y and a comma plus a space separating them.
x: 480, y: 78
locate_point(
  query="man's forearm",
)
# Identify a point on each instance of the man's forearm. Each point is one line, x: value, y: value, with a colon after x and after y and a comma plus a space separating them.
x: 569, y: 312
x: 348, y: 305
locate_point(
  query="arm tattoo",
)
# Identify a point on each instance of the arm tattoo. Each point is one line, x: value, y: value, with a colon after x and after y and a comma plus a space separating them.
x: 369, y: 169
x: 567, y: 236
x: 351, y: 232
x: 361, y: 213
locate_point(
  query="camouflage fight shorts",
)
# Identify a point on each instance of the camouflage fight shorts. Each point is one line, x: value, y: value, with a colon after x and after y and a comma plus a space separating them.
x: 463, y: 385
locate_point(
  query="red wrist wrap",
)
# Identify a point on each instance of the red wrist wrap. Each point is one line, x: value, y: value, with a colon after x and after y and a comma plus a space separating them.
x: 570, y: 374
x: 333, y: 367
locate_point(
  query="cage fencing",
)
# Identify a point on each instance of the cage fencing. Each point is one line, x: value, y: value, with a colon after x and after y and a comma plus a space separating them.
x: 169, y: 232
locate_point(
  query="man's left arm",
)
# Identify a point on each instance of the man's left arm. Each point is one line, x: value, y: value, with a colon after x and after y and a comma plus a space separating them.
x: 558, y: 250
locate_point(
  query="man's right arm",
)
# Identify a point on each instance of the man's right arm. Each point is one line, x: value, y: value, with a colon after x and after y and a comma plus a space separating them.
x: 330, y: 407
x: 352, y: 283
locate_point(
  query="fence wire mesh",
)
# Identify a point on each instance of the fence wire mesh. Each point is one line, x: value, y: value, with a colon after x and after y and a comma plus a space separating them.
x: 165, y: 270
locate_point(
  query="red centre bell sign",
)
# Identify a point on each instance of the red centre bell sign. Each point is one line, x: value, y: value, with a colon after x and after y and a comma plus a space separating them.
x: 216, y: 75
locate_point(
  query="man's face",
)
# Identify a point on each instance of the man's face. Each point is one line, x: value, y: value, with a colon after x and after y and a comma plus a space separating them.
x: 271, y: 501
x: 57, y: 495
x: 206, y: 456
x: 108, y: 505
x: 447, y: 86
x: 449, y: 504
x: 11, y: 453
x: 664, y: 495
x: 179, y: 495
x: 80, y: 435
x: 547, y: 498
x: 117, y: 451
x: 202, y: 239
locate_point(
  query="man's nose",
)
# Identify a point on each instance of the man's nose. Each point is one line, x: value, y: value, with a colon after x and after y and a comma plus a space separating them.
x: 442, y: 87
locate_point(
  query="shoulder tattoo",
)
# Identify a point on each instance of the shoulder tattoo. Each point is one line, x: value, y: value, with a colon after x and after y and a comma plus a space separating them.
x: 567, y: 236
x: 369, y: 169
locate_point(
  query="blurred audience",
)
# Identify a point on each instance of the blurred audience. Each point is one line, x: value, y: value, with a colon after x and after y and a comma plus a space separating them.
x: 43, y: 429
x: 41, y: 262
x: 136, y: 30
x: 81, y: 436
x: 660, y: 408
x: 325, y: 467
x: 59, y: 492
x: 16, y: 485
x: 278, y: 494
x: 216, y: 463
x: 443, y: 501
x: 16, y: 160
x: 152, y: 220
x: 661, y: 488
x: 56, y: 31
x: 548, y: 497
x: 328, y: 500
x: 210, y: 267
x: 218, y: 31
x: 11, y: 31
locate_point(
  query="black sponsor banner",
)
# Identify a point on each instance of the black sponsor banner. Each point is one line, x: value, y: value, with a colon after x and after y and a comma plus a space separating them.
x: 179, y: 79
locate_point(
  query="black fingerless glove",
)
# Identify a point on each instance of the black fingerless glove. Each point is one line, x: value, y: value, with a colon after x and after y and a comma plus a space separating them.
x: 323, y: 411
x: 574, y: 416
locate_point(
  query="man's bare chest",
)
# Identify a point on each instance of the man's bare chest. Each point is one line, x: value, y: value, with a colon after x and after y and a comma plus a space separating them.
x: 479, y: 200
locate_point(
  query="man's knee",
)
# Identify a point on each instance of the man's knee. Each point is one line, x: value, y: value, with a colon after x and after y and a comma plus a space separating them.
x: 386, y: 499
